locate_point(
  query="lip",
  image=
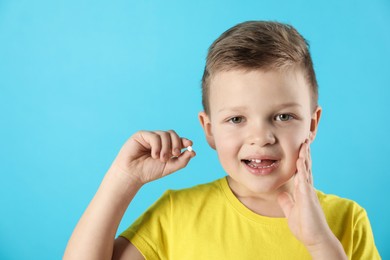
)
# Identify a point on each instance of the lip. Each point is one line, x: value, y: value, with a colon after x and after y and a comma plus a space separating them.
x: 262, y: 171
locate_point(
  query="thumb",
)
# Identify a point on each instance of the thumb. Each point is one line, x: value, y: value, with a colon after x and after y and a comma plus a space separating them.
x: 177, y: 163
x: 286, y: 202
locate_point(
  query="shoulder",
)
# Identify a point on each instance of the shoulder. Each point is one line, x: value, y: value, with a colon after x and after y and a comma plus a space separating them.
x: 209, y: 187
x: 342, y: 212
x: 182, y: 199
x: 335, y: 201
x: 334, y: 205
x: 350, y: 223
x: 198, y: 193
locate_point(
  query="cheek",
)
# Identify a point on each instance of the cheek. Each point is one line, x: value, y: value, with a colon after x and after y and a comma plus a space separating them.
x: 291, y: 150
x: 292, y: 145
x: 295, y: 151
x: 226, y: 146
x: 224, y: 137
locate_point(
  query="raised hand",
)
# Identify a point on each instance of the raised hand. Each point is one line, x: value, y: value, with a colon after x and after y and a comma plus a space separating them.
x: 149, y: 155
x: 303, y: 211
x: 144, y: 157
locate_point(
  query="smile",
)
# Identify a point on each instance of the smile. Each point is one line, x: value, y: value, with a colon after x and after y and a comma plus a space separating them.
x: 260, y: 164
x: 261, y: 167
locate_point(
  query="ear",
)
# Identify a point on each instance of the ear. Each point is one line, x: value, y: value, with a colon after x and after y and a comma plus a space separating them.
x: 315, y: 119
x: 206, y: 125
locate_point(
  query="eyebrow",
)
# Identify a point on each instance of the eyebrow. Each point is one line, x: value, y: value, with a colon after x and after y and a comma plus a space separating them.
x: 291, y: 104
x: 243, y: 108
x: 240, y: 108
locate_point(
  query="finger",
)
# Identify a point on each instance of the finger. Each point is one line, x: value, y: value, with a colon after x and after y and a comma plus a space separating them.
x: 305, y: 156
x: 185, y: 142
x: 302, y: 151
x: 151, y: 141
x: 310, y: 172
x: 177, y: 163
x: 308, y: 156
x: 310, y: 178
x: 301, y: 157
x: 302, y: 183
x: 286, y: 202
x: 166, y: 146
x: 176, y: 143
x: 301, y: 168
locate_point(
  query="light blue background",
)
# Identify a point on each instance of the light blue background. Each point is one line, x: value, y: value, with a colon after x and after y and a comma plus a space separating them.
x: 77, y: 78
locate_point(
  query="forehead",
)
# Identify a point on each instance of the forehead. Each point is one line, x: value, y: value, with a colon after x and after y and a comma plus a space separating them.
x: 258, y: 88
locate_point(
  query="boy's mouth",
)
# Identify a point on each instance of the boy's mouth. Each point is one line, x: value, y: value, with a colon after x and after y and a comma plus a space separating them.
x: 259, y: 164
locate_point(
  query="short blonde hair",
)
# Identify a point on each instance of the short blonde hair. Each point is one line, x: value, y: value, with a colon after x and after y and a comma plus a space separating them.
x: 259, y: 45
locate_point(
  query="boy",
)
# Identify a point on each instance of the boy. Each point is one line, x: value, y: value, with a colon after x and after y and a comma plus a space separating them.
x: 260, y: 115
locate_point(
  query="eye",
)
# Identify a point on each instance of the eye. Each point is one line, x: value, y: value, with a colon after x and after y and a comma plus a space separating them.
x: 283, y: 117
x: 236, y: 119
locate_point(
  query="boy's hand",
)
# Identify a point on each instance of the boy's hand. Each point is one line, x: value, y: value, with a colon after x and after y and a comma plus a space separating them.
x: 149, y: 155
x: 303, y: 211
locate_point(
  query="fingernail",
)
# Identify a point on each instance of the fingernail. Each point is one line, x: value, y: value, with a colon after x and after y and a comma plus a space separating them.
x: 176, y: 151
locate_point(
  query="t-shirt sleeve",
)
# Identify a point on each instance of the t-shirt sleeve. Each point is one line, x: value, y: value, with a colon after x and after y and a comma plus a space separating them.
x: 363, y: 239
x: 149, y: 233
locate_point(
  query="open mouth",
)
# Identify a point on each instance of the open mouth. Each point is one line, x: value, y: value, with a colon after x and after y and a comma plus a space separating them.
x: 260, y: 164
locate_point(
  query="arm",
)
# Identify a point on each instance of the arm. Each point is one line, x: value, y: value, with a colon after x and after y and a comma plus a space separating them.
x: 145, y: 157
x: 304, y: 213
x: 123, y: 249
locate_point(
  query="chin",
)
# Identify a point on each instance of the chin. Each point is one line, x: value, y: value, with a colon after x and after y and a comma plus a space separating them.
x: 270, y: 187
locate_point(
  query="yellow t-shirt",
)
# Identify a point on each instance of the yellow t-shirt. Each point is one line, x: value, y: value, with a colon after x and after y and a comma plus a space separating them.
x: 209, y: 222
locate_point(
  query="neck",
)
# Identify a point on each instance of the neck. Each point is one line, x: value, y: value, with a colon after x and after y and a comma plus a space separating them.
x: 265, y: 204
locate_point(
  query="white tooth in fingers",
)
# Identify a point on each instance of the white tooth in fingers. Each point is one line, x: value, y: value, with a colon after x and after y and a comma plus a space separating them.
x: 189, y: 148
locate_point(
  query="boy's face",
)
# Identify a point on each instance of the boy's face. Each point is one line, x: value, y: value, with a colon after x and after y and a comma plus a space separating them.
x: 258, y: 121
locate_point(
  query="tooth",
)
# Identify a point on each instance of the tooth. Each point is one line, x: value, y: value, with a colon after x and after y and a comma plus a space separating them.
x: 258, y: 161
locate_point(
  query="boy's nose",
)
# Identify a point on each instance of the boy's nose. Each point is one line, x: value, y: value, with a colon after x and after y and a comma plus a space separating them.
x: 262, y: 136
